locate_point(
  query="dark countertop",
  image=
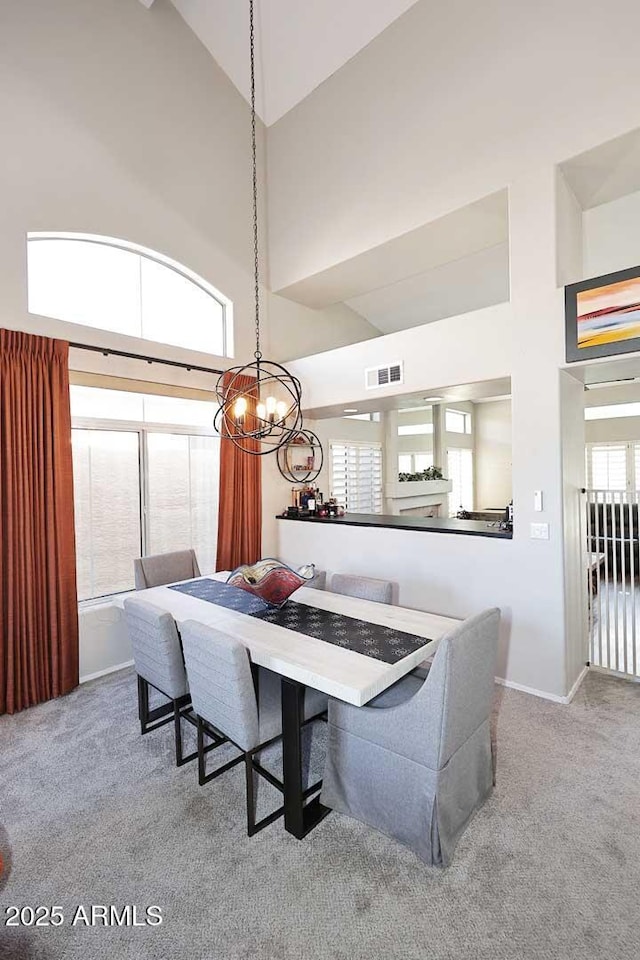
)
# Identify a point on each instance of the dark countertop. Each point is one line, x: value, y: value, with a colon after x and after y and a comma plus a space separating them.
x: 469, y: 528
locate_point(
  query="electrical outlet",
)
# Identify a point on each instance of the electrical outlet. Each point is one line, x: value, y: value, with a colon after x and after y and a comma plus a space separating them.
x: 539, y: 531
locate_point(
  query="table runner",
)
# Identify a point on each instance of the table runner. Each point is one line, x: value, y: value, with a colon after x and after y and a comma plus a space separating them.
x: 361, y: 636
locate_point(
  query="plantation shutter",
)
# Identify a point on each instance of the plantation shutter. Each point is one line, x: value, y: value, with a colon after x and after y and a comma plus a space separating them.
x: 609, y: 466
x: 356, y: 476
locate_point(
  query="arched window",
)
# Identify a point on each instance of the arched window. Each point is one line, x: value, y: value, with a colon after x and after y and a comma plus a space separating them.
x: 113, y: 285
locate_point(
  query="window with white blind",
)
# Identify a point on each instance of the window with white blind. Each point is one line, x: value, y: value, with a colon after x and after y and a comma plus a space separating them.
x: 145, y: 481
x: 607, y: 466
x: 613, y: 466
x: 356, y: 476
x: 106, y: 483
x: 460, y: 472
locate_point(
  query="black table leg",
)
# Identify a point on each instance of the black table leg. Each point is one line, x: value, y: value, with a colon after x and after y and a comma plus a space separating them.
x: 299, y: 818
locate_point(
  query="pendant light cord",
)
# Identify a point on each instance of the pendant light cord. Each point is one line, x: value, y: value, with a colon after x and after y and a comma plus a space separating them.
x: 273, y: 397
x: 258, y: 352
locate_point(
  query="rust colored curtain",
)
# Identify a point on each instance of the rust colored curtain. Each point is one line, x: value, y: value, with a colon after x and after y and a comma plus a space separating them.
x: 38, y: 601
x: 240, y: 505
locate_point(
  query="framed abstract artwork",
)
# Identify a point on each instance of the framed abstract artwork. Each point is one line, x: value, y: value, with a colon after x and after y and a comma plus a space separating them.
x: 602, y: 315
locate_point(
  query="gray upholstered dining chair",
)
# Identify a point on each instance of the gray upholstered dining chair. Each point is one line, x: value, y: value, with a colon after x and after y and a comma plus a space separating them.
x: 364, y: 588
x: 318, y: 581
x: 157, y: 656
x: 241, y: 703
x: 417, y: 761
x: 163, y: 568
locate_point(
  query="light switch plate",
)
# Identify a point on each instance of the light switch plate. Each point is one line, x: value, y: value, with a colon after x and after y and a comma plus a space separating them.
x: 539, y: 531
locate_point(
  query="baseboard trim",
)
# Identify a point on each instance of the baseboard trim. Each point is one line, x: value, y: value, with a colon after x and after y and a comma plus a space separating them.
x: 500, y: 680
x: 553, y: 697
x: 103, y: 673
x: 577, y: 684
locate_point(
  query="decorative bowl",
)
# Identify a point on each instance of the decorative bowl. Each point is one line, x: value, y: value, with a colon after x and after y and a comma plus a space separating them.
x: 271, y: 580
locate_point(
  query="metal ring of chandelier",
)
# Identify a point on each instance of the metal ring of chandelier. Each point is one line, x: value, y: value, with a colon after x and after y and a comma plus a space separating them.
x: 297, y: 473
x: 262, y: 415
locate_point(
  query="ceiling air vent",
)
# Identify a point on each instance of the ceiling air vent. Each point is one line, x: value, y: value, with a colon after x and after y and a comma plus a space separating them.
x: 383, y: 376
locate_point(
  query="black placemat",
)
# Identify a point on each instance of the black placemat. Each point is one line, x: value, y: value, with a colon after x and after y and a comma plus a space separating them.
x: 223, y: 594
x: 361, y: 636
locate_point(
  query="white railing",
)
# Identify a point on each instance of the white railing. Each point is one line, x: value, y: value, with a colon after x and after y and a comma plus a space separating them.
x: 612, y: 569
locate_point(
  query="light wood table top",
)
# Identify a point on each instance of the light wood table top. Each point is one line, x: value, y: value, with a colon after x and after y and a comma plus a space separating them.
x: 339, y: 672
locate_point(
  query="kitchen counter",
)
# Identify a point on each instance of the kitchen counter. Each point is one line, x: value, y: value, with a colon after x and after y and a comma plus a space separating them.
x: 469, y: 528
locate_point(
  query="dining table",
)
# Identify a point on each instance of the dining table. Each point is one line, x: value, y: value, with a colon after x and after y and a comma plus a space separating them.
x: 348, y: 648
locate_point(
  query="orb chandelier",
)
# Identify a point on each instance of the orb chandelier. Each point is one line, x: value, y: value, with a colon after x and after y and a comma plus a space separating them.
x: 259, y: 403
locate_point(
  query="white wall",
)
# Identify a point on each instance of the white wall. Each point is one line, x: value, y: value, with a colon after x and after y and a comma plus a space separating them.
x: 569, y: 226
x: 493, y: 454
x: 421, y: 414
x: 367, y: 160
x: 104, y: 640
x: 511, y: 126
x: 615, y: 428
x: 420, y: 442
x: 611, y: 236
x: 297, y: 331
x: 116, y: 122
x: 620, y: 392
x: 451, y: 575
x: 621, y: 429
x: 466, y: 349
x: 471, y: 282
x: 538, y: 332
x: 573, y: 478
x: 481, y: 346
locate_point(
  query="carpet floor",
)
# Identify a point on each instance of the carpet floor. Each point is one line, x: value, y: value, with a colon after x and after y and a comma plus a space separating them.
x: 93, y: 814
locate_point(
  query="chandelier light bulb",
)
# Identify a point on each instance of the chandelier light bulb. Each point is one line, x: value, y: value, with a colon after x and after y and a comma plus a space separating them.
x: 239, y: 409
x: 281, y: 410
x: 271, y: 404
x: 261, y: 410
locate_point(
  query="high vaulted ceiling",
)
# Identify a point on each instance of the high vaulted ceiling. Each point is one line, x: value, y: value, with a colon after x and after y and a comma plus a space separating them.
x: 299, y: 43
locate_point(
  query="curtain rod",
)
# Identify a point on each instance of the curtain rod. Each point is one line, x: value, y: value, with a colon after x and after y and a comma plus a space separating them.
x: 110, y: 351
